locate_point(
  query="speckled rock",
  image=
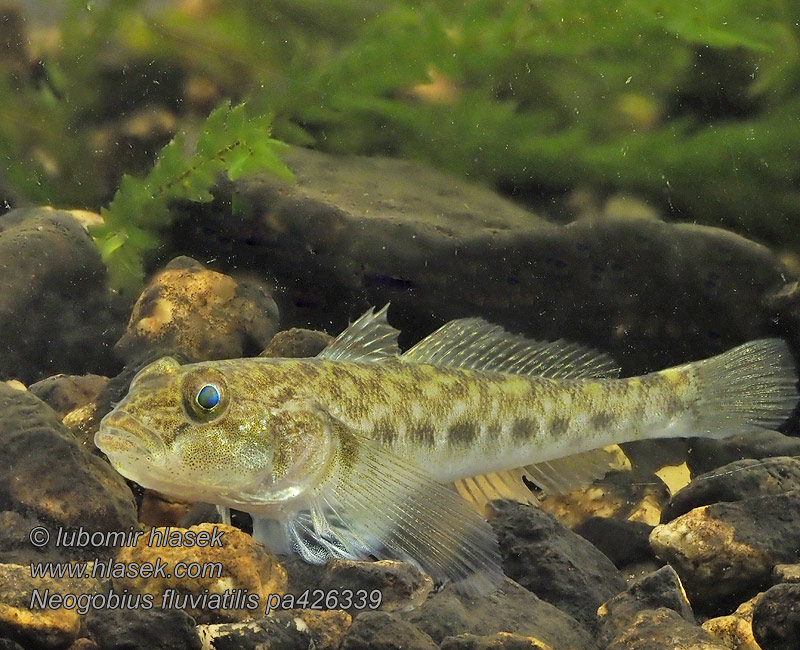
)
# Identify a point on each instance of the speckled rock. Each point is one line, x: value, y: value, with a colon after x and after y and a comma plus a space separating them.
x: 735, y: 630
x: 65, y: 393
x: 786, y: 573
x: 622, y: 541
x: 776, y: 618
x: 296, y: 343
x: 246, y: 568
x: 353, y: 232
x: 142, y: 629
x: 706, y: 454
x: 511, y: 608
x: 56, y: 314
x: 281, y: 632
x: 60, y: 483
x: 621, y: 495
x: 661, y: 588
x: 201, y: 313
x: 327, y: 627
x: 663, y: 629
x: 384, y: 631
x: 500, y: 641
x: 739, y: 480
x: 46, y: 624
x: 554, y: 563
x: 725, y: 549
x: 402, y: 585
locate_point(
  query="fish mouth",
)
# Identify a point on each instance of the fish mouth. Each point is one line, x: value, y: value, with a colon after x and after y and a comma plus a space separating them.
x: 121, y: 434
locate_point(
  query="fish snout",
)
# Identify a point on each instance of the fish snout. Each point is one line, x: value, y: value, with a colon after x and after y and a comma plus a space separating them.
x: 121, y: 433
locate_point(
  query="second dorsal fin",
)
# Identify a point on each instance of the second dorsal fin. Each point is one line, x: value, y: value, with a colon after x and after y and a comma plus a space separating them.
x: 474, y: 344
x: 370, y: 338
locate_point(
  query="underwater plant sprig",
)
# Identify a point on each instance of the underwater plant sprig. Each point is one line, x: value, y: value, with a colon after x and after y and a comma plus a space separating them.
x: 231, y: 141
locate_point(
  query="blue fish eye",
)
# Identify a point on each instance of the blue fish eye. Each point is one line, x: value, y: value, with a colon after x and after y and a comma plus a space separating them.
x: 208, y: 397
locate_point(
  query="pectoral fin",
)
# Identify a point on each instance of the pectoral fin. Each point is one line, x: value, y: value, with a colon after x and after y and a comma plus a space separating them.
x: 376, y: 504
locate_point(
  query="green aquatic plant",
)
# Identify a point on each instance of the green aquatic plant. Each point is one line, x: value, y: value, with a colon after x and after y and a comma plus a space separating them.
x: 231, y: 141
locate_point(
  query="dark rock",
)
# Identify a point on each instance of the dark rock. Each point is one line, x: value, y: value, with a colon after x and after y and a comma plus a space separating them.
x: 55, y: 311
x: 64, y: 393
x: 8, y: 644
x: 499, y: 641
x: 706, y: 454
x: 384, y: 631
x: 402, y: 585
x: 661, y: 588
x: 556, y: 564
x: 355, y: 231
x: 663, y: 629
x: 201, y: 313
x: 621, y: 541
x: 51, y: 477
x: 725, y: 549
x: 15, y: 543
x: 509, y: 609
x: 739, y: 480
x: 134, y: 629
x: 297, y: 343
x: 284, y: 631
x: 776, y: 618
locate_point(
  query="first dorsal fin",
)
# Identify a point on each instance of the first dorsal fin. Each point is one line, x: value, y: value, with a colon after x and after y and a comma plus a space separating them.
x: 370, y: 338
x: 474, y: 344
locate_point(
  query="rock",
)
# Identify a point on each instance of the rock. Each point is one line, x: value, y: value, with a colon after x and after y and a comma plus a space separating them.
x: 776, y: 618
x: 663, y: 629
x: 82, y: 644
x: 8, y: 644
x: 39, y: 611
x: 65, y: 393
x: 735, y: 630
x: 15, y: 543
x: 556, y: 564
x: 499, y: 641
x: 296, y: 343
x: 706, y: 454
x: 621, y: 541
x: 56, y: 314
x: 511, y: 608
x: 739, y: 480
x: 142, y: 629
x: 402, y: 585
x: 200, y: 313
x: 725, y: 549
x: 786, y: 573
x: 384, y: 631
x: 161, y: 510
x: 327, y: 627
x: 619, y: 495
x: 661, y: 588
x: 271, y: 633
x: 240, y: 568
x: 354, y: 231
x: 60, y: 483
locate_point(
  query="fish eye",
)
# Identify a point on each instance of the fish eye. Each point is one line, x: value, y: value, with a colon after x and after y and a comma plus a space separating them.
x: 208, y: 397
x: 205, y: 394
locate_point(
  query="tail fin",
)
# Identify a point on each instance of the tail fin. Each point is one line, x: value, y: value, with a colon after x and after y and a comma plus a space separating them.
x: 751, y: 387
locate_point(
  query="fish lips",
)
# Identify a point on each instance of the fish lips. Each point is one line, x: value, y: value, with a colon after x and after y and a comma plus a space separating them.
x: 121, y: 434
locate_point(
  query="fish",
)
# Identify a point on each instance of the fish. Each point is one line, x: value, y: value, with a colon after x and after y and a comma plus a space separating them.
x: 364, y: 451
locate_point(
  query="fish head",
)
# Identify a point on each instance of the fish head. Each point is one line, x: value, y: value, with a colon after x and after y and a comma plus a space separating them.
x: 198, y: 432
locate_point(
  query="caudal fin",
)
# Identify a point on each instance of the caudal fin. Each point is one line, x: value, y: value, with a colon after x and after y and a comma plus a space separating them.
x: 751, y: 387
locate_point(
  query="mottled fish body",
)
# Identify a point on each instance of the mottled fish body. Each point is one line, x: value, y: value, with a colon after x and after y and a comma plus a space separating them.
x: 347, y: 454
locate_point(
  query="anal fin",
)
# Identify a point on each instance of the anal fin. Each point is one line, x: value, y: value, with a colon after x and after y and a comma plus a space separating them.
x: 558, y: 476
